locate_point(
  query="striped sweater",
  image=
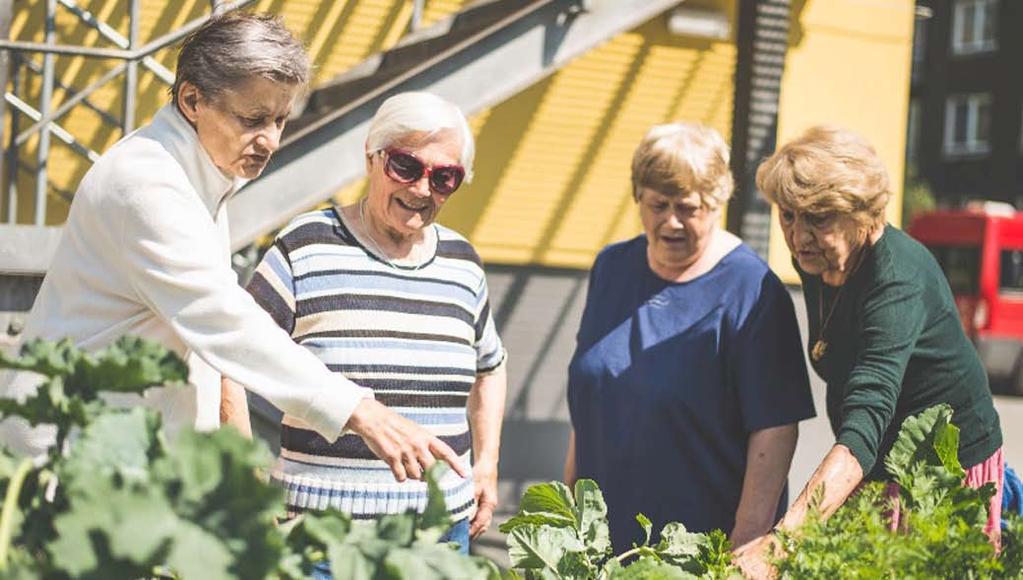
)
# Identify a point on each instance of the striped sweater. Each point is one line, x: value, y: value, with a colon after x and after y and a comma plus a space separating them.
x: 418, y: 337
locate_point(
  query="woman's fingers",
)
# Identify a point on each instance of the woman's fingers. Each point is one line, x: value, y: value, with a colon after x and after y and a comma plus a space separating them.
x: 442, y: 451
x: 481, y: 521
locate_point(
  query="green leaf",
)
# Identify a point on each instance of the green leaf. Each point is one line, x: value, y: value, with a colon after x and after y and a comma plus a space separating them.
x: 592, y: 512
x: 436, y: 515
x: 916, y: 444
x: 678, y: 545
x: 116, y: 444
x: 648, y: 568
x: 397, y: 529
x: 347, y: 561
x: 644, y: 522
x: 541, y: 547
x: 946, y: 445
x: 131, y: 364
x: 196, y: 553
x: 326, y: 527
x: 49, y: 359
x: 551, y: 501
x: 432, y: 561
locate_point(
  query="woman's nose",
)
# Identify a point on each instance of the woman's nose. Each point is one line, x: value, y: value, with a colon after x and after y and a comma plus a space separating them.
x: 270, y: 139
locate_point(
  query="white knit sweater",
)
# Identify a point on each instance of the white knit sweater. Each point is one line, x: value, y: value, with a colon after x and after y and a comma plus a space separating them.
x: 145, y: 251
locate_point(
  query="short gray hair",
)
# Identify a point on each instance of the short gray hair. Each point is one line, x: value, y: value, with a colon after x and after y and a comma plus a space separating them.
x: 678, y: 158
x: 419, y: 112
x: 232, y: 48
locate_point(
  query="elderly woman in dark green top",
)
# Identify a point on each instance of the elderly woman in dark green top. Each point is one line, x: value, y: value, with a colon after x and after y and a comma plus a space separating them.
x: 884, y: 332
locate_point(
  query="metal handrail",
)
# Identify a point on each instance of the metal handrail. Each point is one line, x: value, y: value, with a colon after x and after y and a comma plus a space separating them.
x: 153, y: 65
x: 131, y: 58
x: 58, y: 131
x: 67, y: 105
x: 117, y: 53
x: 417, y: 69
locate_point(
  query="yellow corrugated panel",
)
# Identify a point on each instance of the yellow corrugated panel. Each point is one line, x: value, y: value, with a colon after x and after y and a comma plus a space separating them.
x: 552, y: 171
x: 437, y: 9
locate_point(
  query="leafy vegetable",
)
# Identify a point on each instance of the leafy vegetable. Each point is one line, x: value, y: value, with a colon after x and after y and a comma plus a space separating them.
x: 560, y: 534
x: 941, y: 522
x: 113, y: 500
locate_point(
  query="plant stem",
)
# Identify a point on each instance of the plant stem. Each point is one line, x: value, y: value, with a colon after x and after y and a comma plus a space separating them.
x: 10, y: 505
x: 632, y: 552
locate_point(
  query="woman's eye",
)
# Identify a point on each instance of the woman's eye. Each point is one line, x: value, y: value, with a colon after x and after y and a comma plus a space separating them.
x: 252, y: 122
x: 659, y: 207
x: 787, y: 216
x: 818, y: 220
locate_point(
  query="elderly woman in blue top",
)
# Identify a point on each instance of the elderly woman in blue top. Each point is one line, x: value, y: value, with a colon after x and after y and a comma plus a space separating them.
x: 394, y: 302
x: 688, y: 379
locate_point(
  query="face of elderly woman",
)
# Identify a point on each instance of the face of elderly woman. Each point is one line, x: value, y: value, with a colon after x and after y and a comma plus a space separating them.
x: 404, y: 209
x: 823, y: 244
x: 678, y: 230
x: 240, y: 128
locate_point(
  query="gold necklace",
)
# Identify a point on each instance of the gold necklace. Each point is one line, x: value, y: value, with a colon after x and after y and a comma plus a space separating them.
x: 820, y: 348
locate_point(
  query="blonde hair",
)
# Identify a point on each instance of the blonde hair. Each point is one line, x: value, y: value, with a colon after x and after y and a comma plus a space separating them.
x: 828, y: 169
x: 679, y: 158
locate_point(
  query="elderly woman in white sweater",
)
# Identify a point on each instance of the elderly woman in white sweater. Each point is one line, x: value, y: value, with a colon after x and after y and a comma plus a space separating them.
x: 145, y: 251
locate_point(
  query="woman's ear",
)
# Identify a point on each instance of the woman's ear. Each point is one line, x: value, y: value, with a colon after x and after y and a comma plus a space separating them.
x: 188, y: 101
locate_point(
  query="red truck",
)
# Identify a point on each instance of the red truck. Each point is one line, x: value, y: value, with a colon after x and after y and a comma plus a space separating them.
x: 980, y: 248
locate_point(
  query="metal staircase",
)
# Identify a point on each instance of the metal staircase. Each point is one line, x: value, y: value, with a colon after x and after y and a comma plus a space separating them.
x: 479, y: 57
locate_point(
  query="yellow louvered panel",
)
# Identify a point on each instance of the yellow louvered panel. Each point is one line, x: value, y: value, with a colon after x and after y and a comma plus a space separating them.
x: 552, y: 168
x: 435, y: 10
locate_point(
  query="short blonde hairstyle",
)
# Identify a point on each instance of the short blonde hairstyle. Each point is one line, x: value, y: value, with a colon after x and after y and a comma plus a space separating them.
x: 679, y: 158
x: 825, y: 170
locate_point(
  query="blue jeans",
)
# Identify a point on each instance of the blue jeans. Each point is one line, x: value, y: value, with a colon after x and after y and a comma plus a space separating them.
x: 458, y: 533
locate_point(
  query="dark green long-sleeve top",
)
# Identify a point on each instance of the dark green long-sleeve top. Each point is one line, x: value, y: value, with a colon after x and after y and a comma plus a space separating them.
x: 895, y: 348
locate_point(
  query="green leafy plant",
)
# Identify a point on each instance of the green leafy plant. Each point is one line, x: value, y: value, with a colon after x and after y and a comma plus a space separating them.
x: 112, y: 499
x: 941, y: 521
x: 563, y: 533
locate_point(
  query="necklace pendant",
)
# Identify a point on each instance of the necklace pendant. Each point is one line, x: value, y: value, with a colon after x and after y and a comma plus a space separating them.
x: 819, y: 348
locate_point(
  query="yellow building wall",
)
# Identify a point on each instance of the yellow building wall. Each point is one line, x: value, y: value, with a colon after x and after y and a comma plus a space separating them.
x: 848, y: 64
x: 338, y: 34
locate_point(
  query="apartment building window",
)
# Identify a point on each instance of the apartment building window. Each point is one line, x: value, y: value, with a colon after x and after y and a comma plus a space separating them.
x: 967, y: 124
x: 974, y: 24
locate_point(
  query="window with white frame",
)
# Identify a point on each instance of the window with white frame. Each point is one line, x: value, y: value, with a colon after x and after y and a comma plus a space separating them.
x: 974, y: 26
x: 967, y: 124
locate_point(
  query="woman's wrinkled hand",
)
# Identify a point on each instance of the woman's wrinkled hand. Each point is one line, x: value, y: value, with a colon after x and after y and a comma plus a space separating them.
x: 484, y: 477
x: 754, y: 557
x: 407, y: 448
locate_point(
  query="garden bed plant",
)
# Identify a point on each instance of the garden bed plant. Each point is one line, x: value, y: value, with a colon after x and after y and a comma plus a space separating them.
x: 112, y: 498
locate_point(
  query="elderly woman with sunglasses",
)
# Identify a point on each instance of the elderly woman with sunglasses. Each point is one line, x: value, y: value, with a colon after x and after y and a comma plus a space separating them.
x: 884, y: 331
x: 688, y: 378
x: 393, y: 301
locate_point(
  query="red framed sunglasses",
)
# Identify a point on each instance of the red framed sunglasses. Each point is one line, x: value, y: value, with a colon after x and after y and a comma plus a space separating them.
x: 404, y: 167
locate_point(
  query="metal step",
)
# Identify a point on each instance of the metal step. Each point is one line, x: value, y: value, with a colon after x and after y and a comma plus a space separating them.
x: 476, y: 59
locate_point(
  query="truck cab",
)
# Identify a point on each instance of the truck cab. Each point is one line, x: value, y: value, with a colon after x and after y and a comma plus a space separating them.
x: 980, y: 249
